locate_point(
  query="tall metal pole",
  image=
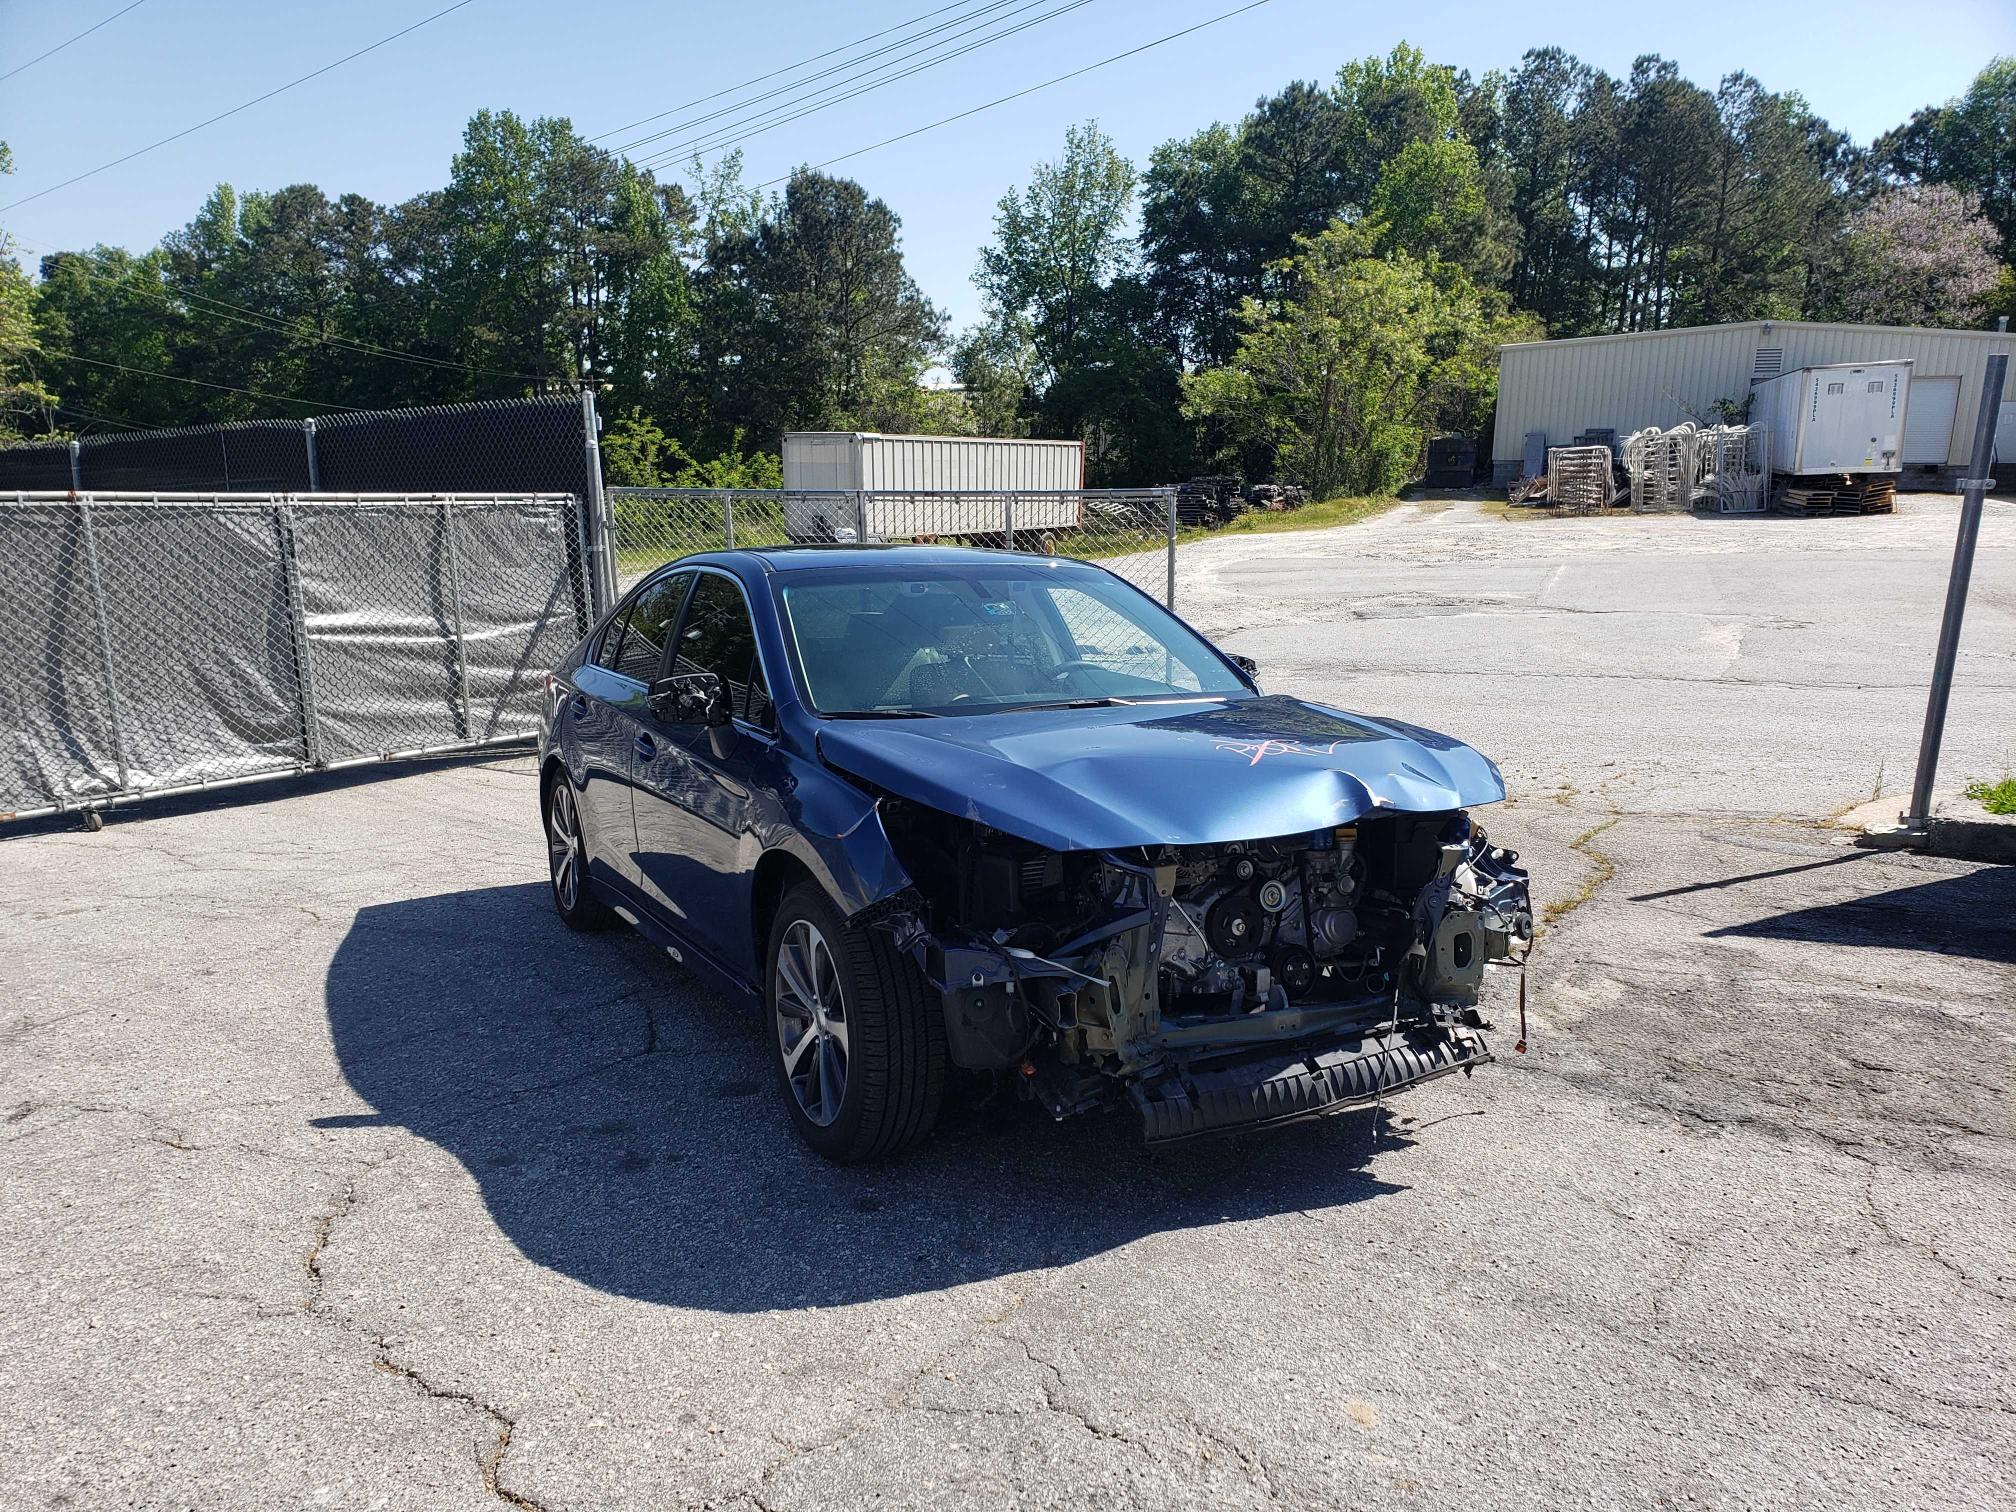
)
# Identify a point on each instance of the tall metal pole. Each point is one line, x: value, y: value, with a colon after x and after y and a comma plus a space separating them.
x: 1972, y: 487
x: 604, y: 574
x: 1169, y: 544
x: 314, y: 457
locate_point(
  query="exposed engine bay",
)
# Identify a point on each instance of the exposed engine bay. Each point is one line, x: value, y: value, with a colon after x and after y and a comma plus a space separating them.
x: 1212, y: 985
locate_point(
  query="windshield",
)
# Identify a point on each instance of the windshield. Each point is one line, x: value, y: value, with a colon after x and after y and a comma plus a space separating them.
x: 890, y: 641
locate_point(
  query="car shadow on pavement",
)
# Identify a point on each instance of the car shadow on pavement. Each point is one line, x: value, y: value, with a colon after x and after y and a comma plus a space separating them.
x: 626, y: 1129
x: 1971, y: 914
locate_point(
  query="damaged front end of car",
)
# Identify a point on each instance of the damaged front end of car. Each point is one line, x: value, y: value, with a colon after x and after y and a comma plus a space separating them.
x: 1212, y: 986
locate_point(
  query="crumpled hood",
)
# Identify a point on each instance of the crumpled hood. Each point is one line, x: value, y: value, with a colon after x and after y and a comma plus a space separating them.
x: 1163, y: 773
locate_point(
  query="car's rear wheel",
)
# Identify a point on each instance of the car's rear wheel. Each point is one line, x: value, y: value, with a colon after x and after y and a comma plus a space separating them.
x: 860, y: 1048
x: 567, y: 859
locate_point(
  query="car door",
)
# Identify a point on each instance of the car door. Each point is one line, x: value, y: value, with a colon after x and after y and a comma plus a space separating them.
x: 603, y: 715
x: 693, y: 795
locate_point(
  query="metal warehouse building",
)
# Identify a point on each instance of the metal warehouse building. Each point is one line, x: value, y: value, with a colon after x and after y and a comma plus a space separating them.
x: 1625, y: 383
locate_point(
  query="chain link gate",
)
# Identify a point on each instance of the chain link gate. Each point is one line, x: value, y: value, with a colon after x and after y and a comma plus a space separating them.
x: 170, y: 643
x: 1130, y: 531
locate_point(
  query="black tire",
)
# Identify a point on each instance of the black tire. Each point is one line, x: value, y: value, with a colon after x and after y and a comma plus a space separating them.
x: 577, y: 905
x: 895, y: 1061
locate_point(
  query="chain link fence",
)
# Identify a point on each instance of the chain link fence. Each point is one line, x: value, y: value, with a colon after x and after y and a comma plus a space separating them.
x: 1130, y: 531
x: 170, y: 643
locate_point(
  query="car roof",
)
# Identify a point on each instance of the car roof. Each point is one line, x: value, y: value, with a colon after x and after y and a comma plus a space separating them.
x: 804, y: 558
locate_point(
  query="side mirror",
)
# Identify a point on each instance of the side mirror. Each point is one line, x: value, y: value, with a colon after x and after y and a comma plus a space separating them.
x: 691, y: 698
x: 1245, y: 664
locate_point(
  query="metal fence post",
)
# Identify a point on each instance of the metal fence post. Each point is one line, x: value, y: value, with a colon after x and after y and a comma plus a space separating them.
x: 76, y: 467
x: 600, y: 526
x: 728, y: 516
x: 1008, y: 519
x: 1169, y: 544
x: 112, y: 710
x: 464, y: 718
x: 297, y: 616
x: 314, y: 461
x: 1972, y: 487
x: 860, y: 517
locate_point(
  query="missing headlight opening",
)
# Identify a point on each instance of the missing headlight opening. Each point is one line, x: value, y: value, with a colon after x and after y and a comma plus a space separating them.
x: 1213, y: 986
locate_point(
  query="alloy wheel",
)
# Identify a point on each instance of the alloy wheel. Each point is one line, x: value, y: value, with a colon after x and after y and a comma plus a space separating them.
x: 811, y: 1022
x: 563, y: 844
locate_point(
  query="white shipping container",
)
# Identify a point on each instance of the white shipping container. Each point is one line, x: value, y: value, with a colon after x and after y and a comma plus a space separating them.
x: 1842, y: 418
x: 900, y: 473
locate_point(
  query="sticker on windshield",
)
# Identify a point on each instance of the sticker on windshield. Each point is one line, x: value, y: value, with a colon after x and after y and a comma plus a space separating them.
x: 999, y: 610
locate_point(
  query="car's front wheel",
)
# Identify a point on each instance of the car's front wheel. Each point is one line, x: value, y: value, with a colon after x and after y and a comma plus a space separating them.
x: 860, y: 1048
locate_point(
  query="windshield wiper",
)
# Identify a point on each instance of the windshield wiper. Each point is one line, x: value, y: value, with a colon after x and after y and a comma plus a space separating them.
x: 1072, y: 703
x: 884, y: 714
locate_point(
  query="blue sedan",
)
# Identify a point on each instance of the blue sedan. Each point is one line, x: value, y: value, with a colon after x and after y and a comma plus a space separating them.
x: 941, y: 808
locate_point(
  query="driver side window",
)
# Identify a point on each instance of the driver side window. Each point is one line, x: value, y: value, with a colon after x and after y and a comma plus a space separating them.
x: 717, y: 636
x: 639, y: 648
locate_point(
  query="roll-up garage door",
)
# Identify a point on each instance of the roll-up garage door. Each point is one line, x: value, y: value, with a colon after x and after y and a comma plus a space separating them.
x: 1928, y: 421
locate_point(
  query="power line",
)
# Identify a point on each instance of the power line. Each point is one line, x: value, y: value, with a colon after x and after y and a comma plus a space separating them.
x: 78, y: 178
x: 1032, y: 89
x: 121, y: 367
x: 968, y: 18
x: 78, y: 38
x: 735, y: 133
x: 787, y: 68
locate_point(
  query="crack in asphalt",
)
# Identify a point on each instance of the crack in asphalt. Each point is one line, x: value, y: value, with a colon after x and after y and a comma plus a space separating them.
x: 490, y: 1463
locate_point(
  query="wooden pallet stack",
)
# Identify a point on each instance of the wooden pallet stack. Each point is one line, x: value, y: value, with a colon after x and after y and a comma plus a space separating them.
x: 1864, y: 495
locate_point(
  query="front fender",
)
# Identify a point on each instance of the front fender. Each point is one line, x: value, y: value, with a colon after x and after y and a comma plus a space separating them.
x: 835, y: 831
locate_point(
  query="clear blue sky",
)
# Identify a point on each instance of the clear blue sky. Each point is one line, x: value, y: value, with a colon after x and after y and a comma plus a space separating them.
x: 387, y: 124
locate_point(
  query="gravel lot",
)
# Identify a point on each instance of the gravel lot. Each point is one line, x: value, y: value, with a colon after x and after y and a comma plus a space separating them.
x: 337, y: 1172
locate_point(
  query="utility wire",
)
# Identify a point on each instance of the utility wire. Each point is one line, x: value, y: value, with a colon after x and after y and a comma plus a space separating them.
x: 787, y: 68
x: 970, y: 16
x: 1020, y: 93
x: 120, y: 367
x: 735, y: 133
x: 78, y: 38
x: 78, y: 178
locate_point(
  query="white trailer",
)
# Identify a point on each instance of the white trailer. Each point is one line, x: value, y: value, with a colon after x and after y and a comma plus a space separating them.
x: 1847, y: 417
x: 911, y: 486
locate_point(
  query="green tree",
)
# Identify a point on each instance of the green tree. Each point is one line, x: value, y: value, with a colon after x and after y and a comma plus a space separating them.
x: 1969, y: 143
x: 818, y: 323
x: 1431, y: 201
x: 1763, y: 197
x: 1057, y: 244
x: 1197, y: 248
x: 1344, y: 377
x: 1384, y: 106
x: 23, y: 394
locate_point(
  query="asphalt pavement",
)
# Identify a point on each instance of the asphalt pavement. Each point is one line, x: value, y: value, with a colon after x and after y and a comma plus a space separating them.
x: 337, y: 1172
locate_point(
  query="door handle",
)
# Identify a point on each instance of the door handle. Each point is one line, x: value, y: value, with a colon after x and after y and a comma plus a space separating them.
x: 579, y: 705
x: 646, y: 748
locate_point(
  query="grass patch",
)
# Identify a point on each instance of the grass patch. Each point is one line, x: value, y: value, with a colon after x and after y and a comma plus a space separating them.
x: 1320, y: 515
x: 1603, y: 870
x: 1996, y: 797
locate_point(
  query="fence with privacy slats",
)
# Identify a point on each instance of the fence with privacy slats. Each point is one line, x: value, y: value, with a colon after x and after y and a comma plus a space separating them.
x: 172, y: 642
